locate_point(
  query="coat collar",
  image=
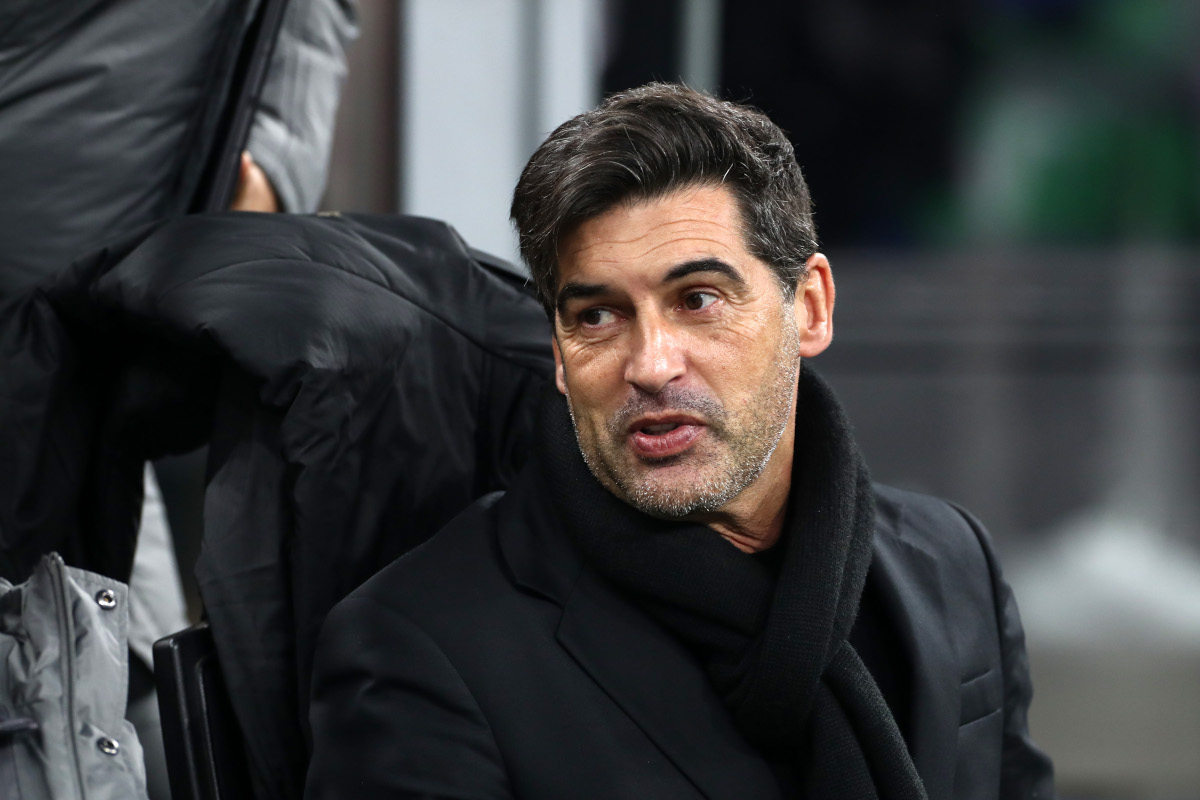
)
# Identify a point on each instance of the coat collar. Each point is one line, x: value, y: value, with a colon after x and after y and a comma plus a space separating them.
x: 663, y: 688
x: 649, y: 674
x: 533, y: 542
x: 910, y: 580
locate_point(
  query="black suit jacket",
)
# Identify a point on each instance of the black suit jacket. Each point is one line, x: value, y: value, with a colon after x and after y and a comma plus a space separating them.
x: 491, y: 662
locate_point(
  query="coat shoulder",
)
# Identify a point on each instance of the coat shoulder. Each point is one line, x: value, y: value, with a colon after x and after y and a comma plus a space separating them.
x: 455, y: 570
x: 939, y: 527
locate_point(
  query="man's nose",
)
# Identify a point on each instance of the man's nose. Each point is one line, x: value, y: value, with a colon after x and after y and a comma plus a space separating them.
x: 656, y: 356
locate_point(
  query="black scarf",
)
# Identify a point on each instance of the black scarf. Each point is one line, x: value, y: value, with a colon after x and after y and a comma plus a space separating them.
x: 775, y: 648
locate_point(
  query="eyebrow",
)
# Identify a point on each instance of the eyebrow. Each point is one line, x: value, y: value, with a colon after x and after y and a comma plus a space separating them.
x: 573, y: 290
x: 704, y: 265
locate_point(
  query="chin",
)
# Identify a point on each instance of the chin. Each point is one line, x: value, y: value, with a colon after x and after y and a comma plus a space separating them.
x: 680, y: 497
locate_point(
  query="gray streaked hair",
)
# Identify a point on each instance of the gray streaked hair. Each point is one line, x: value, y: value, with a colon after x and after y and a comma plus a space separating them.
x: 649, y: 142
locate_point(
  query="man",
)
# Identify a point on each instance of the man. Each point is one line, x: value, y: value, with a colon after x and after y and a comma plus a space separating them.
x: 693, y: 590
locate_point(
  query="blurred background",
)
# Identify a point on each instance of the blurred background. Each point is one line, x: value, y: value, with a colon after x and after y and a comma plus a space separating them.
x: 1009, y: 192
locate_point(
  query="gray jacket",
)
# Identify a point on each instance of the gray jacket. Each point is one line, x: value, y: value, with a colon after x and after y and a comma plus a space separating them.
x: 63, y: 679
x: 293, y: 127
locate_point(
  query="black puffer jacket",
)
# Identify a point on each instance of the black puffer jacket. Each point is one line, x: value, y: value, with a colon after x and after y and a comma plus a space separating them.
x: 359, y: 380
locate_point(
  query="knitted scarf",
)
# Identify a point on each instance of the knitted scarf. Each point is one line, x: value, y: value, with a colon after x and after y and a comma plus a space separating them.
x: 775, y: 647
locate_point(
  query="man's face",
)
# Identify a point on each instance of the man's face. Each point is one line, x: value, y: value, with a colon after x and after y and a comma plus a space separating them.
x: 679, y: 353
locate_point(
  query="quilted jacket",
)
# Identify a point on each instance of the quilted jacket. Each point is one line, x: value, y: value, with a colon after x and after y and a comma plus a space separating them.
x: 63, y: 678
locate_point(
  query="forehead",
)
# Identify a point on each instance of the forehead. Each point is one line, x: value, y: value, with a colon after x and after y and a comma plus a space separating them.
x: 655, y: 234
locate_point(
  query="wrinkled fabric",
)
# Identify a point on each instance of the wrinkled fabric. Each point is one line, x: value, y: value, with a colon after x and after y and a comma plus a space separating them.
x: 98, y: 100
x: 292, y: 132
x: 63, y: 666
x: 359, y: 380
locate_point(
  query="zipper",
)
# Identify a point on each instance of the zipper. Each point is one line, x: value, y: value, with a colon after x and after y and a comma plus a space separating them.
x: 66, y: 632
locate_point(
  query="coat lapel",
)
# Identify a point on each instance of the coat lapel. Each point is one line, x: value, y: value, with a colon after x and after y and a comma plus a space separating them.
x: 646, y: 672
x: 910, y: 581
x: 663, y: 688
x: 665, y: 691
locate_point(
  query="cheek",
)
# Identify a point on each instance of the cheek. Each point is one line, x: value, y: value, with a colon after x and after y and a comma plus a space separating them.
x: 592, y: 373
x: 745, y: 340
x: 737, y: 357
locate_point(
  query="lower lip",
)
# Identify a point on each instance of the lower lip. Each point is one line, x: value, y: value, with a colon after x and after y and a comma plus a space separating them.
x: 663, y: 445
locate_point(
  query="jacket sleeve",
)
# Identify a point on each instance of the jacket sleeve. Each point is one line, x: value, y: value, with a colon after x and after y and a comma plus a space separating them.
x: 1026, y: 772
x: 293, y: 127
x: 391, y: 717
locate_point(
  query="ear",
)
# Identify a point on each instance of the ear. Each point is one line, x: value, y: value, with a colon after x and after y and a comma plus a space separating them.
x: 814, y: 307
x: 560, y: 378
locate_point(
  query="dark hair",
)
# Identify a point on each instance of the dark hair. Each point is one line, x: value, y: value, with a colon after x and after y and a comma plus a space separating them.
x: 648, y: 142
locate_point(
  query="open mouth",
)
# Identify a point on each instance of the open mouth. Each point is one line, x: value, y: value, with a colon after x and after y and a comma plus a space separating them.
x: 664, y: 439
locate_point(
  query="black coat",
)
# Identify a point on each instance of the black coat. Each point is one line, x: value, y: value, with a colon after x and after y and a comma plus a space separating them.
x: 360, y: 380
x: 492, y: 663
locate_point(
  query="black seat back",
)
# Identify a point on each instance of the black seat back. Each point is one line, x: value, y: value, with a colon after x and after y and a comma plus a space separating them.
x: 206, y: 759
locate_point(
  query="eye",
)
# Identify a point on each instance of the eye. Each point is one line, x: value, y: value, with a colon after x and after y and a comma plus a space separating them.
x: 596, y: 317
x: 698, y: 301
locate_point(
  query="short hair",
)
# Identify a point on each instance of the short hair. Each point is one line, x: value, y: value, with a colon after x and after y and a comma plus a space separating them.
x: 648, y: 142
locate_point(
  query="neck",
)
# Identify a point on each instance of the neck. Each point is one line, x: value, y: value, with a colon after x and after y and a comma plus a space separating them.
x: 750, y: 538
x: 753, y: 521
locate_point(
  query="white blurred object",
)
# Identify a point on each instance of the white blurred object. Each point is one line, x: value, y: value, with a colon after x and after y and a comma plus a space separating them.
x: 483, y: 82
x: 1111, y: 581
x: 1111, y: 607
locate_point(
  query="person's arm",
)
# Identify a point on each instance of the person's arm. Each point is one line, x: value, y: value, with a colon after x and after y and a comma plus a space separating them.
x: 1026, y: 772
x: 293, y: 127
x: 391, y: 717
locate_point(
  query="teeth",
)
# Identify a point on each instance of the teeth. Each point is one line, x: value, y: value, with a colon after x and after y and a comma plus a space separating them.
x: 655, y: 430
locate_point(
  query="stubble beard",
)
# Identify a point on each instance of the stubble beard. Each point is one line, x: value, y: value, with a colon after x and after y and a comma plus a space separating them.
x: 743, y: 447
